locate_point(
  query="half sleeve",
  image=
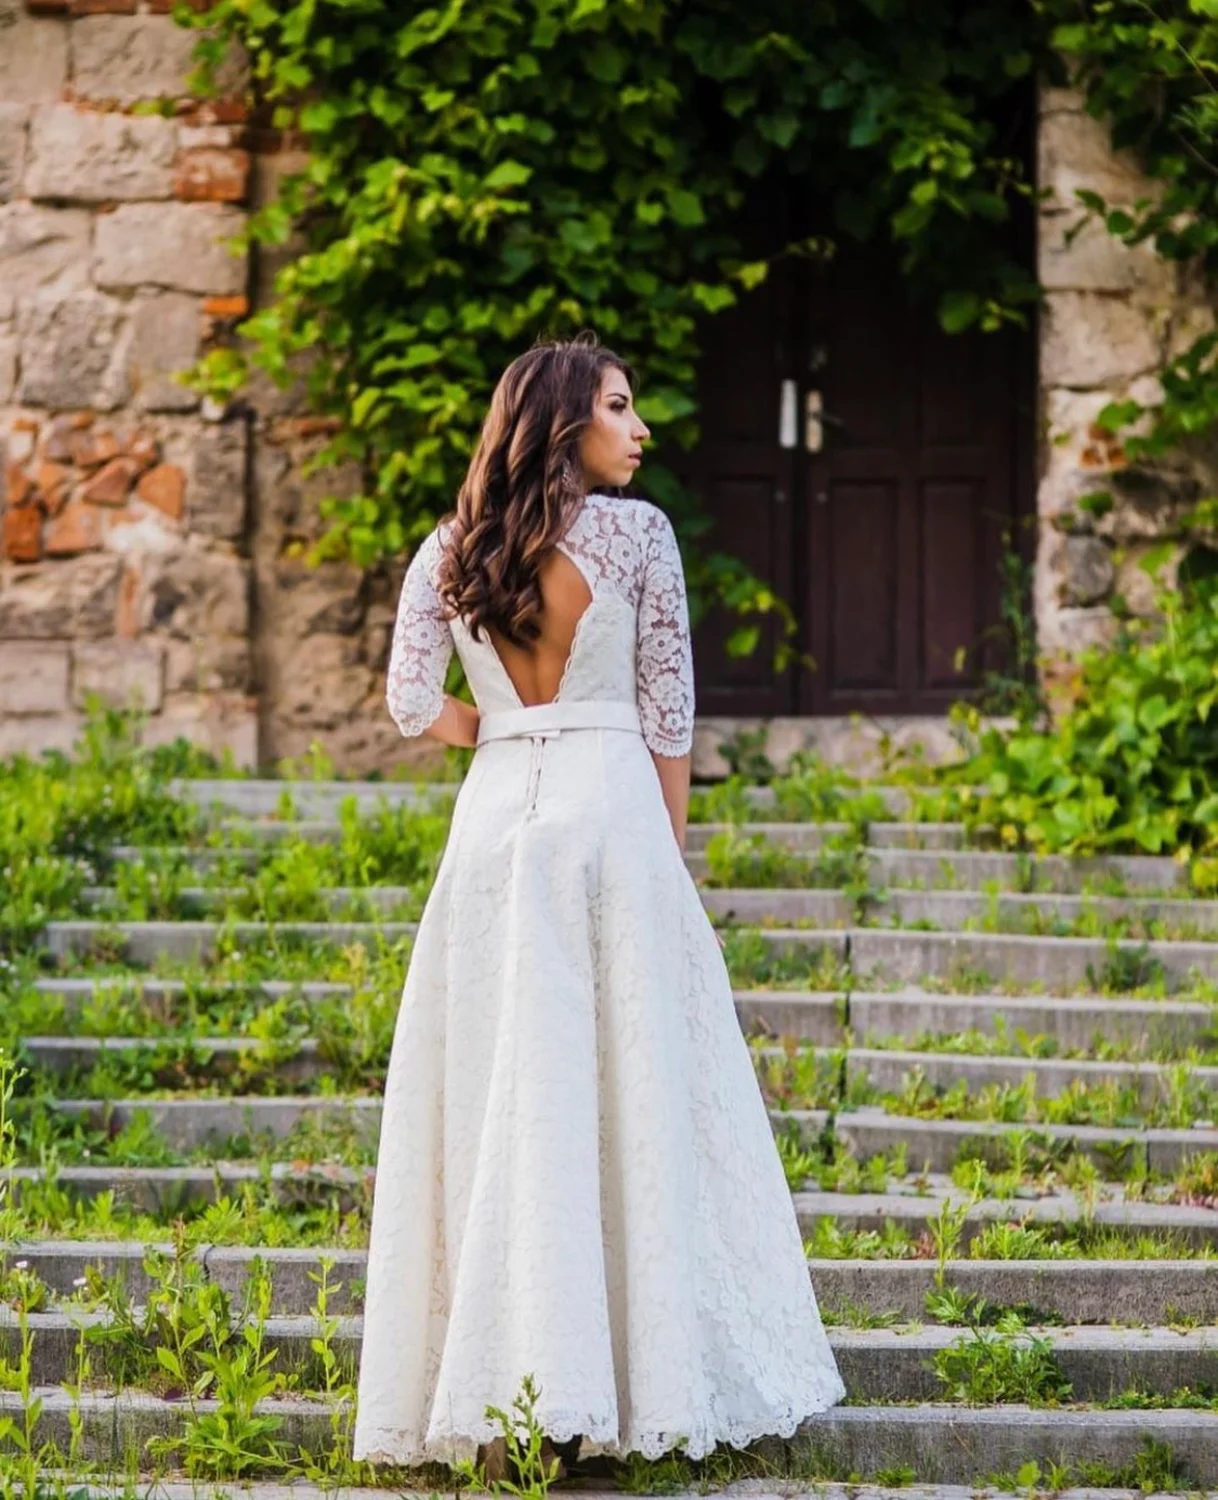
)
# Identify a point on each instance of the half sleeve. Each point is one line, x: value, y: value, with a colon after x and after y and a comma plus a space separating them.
x: 422, y: 646
x: 665, y: 668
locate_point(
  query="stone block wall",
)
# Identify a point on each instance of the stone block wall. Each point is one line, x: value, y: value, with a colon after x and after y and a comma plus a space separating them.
x: 1112, y: 316
x: 150, y: 542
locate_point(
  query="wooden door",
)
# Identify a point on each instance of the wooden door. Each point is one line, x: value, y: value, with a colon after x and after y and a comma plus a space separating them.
x: 883, y: 527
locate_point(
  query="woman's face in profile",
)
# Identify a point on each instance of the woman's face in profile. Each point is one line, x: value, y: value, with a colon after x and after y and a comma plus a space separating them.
x: 611, y: 447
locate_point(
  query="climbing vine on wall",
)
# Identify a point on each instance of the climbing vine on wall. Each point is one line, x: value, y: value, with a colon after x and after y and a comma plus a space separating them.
x: 484, y: 172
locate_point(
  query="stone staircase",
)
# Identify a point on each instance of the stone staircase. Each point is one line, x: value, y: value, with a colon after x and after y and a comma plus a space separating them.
x: 993, y: 1081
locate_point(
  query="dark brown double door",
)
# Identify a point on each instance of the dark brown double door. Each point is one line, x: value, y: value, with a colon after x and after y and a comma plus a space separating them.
x: 868, y: 466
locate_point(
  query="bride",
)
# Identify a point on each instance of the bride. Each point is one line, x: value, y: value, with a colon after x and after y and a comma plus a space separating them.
x: 577, y: 1178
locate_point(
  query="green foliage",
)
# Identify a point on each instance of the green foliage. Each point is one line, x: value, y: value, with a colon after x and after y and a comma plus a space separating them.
x: 482, y: 172
x: 1134, y: 763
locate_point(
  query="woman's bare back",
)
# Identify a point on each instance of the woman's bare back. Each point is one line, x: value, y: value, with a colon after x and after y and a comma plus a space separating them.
x: 565, y: 594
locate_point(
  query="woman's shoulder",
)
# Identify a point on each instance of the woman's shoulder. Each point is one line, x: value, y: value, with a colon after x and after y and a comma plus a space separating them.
x: 643, y: 515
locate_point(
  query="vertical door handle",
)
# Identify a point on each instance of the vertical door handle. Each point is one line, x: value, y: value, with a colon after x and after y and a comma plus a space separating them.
x: 814, y: 428
x: 786, y: 416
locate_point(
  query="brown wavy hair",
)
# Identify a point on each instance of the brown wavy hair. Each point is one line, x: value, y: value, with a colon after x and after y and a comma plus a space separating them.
x: 523, y: 487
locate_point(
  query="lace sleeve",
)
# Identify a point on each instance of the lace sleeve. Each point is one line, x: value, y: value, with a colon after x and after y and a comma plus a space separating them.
x: 422, y: 646
x: 665, y: 666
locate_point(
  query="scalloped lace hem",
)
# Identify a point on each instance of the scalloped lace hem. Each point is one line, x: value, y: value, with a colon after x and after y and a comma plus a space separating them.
x: 384, y: 1445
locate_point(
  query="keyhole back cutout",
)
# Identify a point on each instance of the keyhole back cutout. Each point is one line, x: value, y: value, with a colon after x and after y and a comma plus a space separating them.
x: 536, y: 677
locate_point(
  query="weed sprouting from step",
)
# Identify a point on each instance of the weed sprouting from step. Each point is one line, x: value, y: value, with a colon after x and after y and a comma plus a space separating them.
x: 1152, y: 1470
x: 523, y: 1436
x: 206, y: 1355
x: 332, y: 1377
x: 1125, y: 969
x: 1004, y: 1363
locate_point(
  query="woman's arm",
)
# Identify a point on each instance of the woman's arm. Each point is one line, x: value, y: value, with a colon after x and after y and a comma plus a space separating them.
x: 456, y: 723
x: 674, y: 772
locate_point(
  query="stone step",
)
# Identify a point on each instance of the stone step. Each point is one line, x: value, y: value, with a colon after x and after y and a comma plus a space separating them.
x: 950, y: 911
x: 313, y: 800
x: 886, y: 1069
x: 1075, y: 1024
x: 937, y: 1145
x: 1070, y: 1291
x: 190, y: 1123
x: 877, y: 1364
x: 220, y: 1055
x: 890, y: 956
x: 971, y: 869
x: 254, y: 798
x: 889, y: 1069
x: 75, y: 991
x: 168, y: 1191
x: 826, y: 907
x: 1013, y: 909
x: 931, y: 869
x: 939, y: 1442
x: 911, y: 1209
x: 187, y: 941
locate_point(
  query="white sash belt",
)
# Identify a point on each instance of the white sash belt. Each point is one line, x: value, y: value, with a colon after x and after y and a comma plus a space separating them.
x: 547, y: 720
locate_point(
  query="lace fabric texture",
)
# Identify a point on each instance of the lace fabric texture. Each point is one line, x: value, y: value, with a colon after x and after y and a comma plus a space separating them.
x: 627, y: 551
x: 577, y: 1176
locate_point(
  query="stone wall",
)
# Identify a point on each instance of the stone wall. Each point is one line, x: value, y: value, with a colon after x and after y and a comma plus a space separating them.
x: 151, y: 541
x: 1112, y: 316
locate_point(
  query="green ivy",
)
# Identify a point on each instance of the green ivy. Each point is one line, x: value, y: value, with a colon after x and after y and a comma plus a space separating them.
x: 482, y: 172
x: 1134, y: 763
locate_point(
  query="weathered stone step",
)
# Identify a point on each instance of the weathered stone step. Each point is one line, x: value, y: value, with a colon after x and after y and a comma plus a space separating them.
x: 889, y: 1070
x: 971, y: 869
x: 1071, y: 1291
x: 760, y: 904
x: 953, y: 909
x: 1074, y: 1023
x: 911, y: 1210
x: 933, y: 1144
x: 57, y: 1055
x: 877, y: 1364
x: 941, y: 1443
x: 145, y: 942
x: 886, y: 1069
x: 314, y: 800
x: 75, y: 991
x: 253, y: 798
x: 936, y: 1145
x: 883, y: 955
x: 166, y: 1191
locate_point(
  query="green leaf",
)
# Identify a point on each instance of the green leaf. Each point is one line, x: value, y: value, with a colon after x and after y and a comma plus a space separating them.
x: 958, y: 310
x: 507, y: 174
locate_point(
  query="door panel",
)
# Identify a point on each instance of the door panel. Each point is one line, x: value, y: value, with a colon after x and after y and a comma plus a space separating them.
x: 863, y: 546
x: 742, y: 477
x: 926, y: 420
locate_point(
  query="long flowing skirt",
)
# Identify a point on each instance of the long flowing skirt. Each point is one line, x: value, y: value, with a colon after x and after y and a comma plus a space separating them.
x: 577, y: 1177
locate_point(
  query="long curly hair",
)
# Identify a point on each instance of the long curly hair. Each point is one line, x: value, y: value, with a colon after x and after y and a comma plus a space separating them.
x: 523, y: 487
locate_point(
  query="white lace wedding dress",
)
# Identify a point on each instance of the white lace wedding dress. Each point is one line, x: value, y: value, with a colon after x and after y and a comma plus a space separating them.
x: 577, y: 1177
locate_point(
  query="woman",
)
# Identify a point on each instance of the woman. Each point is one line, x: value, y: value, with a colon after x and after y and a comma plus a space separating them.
x: 577, y: 1177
